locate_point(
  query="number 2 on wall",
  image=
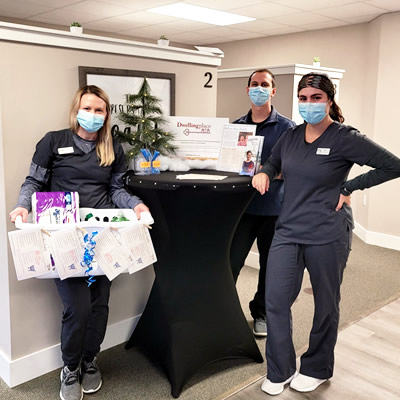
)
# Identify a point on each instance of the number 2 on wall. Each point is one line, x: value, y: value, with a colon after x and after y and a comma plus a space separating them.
x: 209, y: 75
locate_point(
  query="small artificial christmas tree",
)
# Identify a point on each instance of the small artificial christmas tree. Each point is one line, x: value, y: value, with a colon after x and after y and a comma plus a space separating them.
x: 144, y: 118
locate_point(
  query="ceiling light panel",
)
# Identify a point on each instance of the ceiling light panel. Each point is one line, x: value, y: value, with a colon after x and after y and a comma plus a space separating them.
x: 201, y: 14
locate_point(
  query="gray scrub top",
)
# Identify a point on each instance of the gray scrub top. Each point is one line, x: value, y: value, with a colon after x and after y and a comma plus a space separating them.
x: 61, y: 163
x: 314, y: 174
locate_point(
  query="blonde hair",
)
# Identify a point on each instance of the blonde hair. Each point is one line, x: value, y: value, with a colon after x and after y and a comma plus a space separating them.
x: 104, y: 142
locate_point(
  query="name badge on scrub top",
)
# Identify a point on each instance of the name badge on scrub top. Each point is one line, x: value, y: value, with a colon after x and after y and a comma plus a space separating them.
x: 65, y: 150
x: 323, y: 151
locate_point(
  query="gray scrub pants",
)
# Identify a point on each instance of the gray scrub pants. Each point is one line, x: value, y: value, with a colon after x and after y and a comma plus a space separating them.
x: 251, y: 227
x: 325, y: 264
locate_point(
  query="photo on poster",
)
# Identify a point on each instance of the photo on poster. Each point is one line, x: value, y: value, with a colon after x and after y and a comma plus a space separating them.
x: 255, y: 146
x: 248, y: 163
x: 243, y: 138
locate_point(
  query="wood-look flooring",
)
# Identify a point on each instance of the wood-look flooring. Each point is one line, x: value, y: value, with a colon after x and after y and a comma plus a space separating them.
x: 367, y: 363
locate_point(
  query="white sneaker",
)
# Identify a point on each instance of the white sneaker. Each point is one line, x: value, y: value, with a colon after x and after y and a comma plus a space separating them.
x: 274, y: 388
x: 304, y: 383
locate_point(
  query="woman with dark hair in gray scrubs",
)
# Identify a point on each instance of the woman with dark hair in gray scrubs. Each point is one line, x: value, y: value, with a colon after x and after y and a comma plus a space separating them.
x: 314, y: 228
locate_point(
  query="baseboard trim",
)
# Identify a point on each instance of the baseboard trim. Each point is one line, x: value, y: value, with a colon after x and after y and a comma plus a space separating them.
x: 4, y: 368
x: 46, y: 360
x: 376, y: 238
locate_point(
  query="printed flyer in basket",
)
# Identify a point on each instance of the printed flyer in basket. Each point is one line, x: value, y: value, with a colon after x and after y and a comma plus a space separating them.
x: 54, y: 250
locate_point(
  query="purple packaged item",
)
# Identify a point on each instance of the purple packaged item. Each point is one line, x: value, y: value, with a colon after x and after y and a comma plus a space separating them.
x: 55, y: 207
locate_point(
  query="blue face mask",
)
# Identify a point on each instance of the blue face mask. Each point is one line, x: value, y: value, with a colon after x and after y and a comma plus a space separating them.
x: 313, y: 113
x: 259, y: 95
x: 90, y: 122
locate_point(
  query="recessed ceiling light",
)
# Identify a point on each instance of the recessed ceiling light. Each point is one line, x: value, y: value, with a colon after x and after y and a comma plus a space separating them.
x: 201, y: 14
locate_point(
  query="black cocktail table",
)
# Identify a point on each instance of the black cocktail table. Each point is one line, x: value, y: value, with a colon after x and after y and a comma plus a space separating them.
x: 193, y: 316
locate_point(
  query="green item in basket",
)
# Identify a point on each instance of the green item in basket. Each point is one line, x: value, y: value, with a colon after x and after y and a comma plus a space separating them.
x: 119, y: 218
x: 88, y: 216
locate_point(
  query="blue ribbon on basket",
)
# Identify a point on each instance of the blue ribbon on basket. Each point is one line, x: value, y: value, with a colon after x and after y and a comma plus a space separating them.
x: 88, y: 255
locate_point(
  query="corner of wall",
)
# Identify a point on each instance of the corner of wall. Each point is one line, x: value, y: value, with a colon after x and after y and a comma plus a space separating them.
x: 5, y: 331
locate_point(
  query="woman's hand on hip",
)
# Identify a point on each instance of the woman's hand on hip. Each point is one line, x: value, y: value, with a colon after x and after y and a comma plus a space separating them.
x: 261, y: 182
x: 343, y: 199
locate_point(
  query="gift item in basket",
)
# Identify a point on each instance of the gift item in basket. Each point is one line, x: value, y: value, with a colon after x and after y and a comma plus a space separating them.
x: 55, y: 207
x: 107, y: 214
x: 119, y: 218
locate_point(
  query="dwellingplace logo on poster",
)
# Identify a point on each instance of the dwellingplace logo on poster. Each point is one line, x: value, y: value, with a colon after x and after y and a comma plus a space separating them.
x: 191, y: 128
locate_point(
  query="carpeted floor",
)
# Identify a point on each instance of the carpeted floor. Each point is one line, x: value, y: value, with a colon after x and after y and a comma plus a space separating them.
x: 372, y: 279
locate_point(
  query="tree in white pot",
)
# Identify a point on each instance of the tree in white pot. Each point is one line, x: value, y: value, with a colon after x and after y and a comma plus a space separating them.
x: 76, y: 27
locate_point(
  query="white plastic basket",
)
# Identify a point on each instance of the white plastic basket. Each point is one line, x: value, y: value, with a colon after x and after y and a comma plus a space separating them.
x: 101, y: 219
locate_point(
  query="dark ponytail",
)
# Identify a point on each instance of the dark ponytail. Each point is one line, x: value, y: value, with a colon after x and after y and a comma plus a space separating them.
x: 335, y: 112
x: 322, y: 81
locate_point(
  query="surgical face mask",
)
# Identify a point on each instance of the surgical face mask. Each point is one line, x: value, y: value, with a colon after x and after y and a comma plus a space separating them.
x: 259, y: 95
x: 90, y: 122
x: 313, y: 113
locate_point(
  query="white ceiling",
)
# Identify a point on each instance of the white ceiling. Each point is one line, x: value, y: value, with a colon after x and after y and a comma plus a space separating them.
x: 130, y: 18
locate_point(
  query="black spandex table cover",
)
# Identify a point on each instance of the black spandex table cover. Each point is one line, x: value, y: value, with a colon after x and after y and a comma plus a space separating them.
x: 193, y: 316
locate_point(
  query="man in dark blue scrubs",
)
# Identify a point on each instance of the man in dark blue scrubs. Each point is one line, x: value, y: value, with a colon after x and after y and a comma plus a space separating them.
x: 258, y: 222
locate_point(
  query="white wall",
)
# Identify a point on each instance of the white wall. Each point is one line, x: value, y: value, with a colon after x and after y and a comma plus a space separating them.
x: 383, y: 210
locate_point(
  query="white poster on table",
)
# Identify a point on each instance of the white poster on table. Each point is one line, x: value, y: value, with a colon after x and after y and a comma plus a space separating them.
x: 197, y: 138
x: 234, y: 145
